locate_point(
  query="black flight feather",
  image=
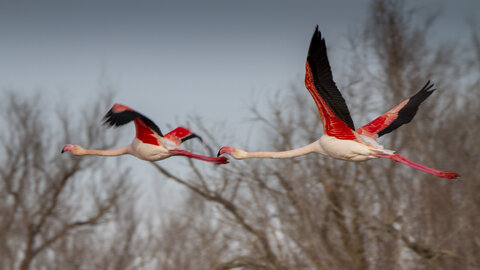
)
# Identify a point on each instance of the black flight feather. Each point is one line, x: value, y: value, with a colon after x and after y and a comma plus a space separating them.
x: 406, y: 114
x: 124, y: 117
x: 322, y: 77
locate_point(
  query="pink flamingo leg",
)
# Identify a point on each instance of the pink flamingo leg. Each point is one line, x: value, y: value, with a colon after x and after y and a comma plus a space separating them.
x: 404, y: 160
x: 216, y: 160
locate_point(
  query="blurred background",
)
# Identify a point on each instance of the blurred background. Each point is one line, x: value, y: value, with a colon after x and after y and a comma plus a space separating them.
x: 232, y: 71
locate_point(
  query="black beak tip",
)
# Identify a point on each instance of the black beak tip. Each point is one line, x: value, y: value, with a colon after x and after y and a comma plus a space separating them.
x: 63, y: 151
x: 218, y: 154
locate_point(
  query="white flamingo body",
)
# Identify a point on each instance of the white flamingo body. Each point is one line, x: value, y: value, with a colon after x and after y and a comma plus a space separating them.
x: 347, y: 149
x: 148, y: 152
x: 340, y: 139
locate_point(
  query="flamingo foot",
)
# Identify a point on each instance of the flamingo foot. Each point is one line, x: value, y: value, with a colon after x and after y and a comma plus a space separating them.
x: 448, y: 174
x: 216, y: 160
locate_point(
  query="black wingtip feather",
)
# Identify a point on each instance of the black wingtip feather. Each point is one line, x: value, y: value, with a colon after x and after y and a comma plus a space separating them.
x: 193, y: 135
x: 421, y: 95
x: 113, y: 119
x: 406, y: 114
x: 428, y: 87
x: 317, y: 44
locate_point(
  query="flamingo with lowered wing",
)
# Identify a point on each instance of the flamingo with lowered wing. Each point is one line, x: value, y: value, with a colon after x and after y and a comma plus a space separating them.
x: 149, y: 143
x: 340, y: 140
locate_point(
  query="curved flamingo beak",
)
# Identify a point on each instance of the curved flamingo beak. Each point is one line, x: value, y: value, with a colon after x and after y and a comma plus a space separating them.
x: 67, y: 148
x: 225, y: 150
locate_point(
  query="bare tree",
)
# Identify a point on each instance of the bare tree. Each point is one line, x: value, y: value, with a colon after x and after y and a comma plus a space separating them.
x: 54, y: 207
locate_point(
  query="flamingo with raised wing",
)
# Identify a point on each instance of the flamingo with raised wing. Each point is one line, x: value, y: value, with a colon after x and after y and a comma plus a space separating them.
x: 149, y: 143
x: 340, y: 140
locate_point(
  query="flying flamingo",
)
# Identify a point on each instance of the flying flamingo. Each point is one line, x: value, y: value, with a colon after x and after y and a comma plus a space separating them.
x: 340, y: 140
x: 149, y: 143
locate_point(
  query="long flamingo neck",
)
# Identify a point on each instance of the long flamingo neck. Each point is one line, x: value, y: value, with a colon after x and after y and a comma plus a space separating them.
x: 112, y: 152
x: 404, y: 160
x: 311, y: 148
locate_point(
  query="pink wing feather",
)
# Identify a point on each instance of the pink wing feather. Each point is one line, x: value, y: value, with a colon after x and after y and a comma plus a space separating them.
x: 332, y: 125
x: 181, y: 134
x: 401, y: 114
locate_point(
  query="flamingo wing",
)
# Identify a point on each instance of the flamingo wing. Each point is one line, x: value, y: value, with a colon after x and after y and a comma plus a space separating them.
x: 181, y: 134
x: 146, y: 130
x: 401, y: 114
x: 333, y: 110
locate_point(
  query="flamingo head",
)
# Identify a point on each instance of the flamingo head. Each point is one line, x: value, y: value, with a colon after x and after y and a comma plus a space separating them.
x: 232, y: 151
x: 77, y: 150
